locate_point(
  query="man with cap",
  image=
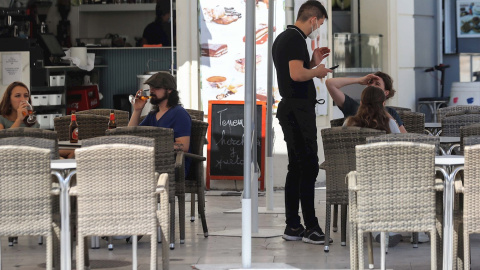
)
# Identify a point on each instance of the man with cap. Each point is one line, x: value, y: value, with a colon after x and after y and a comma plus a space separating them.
x: 167, y: 112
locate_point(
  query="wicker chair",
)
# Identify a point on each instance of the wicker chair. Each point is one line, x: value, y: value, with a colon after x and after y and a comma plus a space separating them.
x: 164, y: 163
x: 394, y: 181
x: 467, y: 131
x: 196, y: 114
x: 471, y: 197
x: 337, y: 122
x: 195, y: 179
x: 339, y: 150
x: 26, y: 194
x: 451, y: 124
x: 400, y: 109
x: 128, y: 185
x: 414, y: 122
x: 442, y: 112
x: 32, y: 133
x: 121, y: 117
x: 89, y: 126
x: 135, y: 140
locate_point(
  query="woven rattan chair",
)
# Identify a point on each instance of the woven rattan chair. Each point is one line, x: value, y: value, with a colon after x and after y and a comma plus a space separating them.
x: 196, y: 114
x: 471, y: 197
x: 32, y: 133
x: 121, y: 117
x: 451, y: 124
x: 394, y: 182
x: 25, y: 184
x: 195, y: 179
x: 339, y: 150
x: 442, y: 112
x: 164, y: 163
x: 400, y: 109
x: 414, y: 122
x: 467, y: 131
x: 135, y: 140
x: 89, y: 126
x: 116, y: 194
x: 337, y: 122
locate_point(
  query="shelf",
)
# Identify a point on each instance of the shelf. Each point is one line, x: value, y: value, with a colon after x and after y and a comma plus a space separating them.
x: 117, y: 7
x: 70, y: 68
x: 43, y: 108
x: 42, y: 89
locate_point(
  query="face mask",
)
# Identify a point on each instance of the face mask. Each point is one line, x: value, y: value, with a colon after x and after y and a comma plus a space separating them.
x: 314, y: 33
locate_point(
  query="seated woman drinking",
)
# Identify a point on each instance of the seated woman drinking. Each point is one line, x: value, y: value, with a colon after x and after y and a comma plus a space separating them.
x: 372, y: 113
x: 13, y: 107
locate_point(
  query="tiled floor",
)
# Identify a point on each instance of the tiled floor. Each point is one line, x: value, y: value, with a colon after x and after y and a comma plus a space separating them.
x: 218, y: 250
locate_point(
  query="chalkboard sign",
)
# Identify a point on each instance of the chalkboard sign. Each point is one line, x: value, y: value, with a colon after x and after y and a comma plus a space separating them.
x: 226, y: 139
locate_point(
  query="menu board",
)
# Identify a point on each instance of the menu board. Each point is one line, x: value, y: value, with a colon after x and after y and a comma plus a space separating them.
x: 222, y: 44
x: 226, y: 139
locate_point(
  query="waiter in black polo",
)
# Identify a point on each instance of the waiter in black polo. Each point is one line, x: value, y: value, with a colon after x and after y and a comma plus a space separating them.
x: 296, y: 114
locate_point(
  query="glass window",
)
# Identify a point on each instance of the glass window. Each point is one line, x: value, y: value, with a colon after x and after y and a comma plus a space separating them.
x: 469, y: 67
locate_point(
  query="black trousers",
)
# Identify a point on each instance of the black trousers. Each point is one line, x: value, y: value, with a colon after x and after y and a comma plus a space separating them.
x: 297, y: 119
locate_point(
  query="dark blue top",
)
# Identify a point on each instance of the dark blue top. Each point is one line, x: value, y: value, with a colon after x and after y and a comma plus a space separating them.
x: 176, y: 118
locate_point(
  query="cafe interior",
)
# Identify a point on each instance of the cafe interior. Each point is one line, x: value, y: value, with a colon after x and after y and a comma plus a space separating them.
x: 91, y: 190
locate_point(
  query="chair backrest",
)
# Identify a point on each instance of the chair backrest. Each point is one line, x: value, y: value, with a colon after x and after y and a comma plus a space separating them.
x: 33, y: 142
x: 471, y: 185
x: 337, y: 122
x: 116, y: 189
x: 89, y: 126
x: 467, y: 131
x: 407, y: 137
x: 414, y: 122
x: 395, y: 182
x: 339, y: 150
x: 400, y: 109
x: 136, y: 140
x: 121, y: 117
x: 451, y: 124
x: 197, y: 142
x: 442, y: 112
x: 25, y: 184
x: 164, y: 152
x: 33, y: 133
x: 196, y: 114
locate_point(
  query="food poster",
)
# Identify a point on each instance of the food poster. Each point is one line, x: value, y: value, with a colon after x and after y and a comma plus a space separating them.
x: 222, y: 44
x: 321, y: 41
x: 468, y: 19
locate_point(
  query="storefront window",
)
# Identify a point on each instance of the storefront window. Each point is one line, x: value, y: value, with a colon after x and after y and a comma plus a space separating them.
x: 469, y: 67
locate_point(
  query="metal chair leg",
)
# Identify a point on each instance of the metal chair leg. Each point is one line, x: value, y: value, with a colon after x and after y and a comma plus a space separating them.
x: 370, y: 250
x: 328, y: 214
x: 335, y: 218
x: 192, y: 207
x: 40, y: 240
x: 344, y: 225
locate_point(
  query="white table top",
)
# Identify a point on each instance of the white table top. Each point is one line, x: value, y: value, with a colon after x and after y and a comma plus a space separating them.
x: 433, y: 125
x: 448, y: 160
x: 63, y: 164
x: 445, y: 139
x: 69, y: 145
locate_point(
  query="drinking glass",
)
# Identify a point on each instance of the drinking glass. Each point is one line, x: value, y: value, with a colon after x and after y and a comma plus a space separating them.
x: 31, y: 118
x: 144, y: 95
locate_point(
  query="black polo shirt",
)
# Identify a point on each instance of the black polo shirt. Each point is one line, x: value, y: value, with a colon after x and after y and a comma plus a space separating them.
x: 290, y: 45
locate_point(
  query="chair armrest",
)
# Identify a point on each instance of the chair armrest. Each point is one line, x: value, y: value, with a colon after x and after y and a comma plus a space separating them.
x: 162, y: 183
x: 55, y: 191
x: 73, y: 191
x: 195, y: 157
x: 179, y: 159
x: 459, y: 186
x: 322, y: 166
x: 352, y: 180
x: 438, y: 185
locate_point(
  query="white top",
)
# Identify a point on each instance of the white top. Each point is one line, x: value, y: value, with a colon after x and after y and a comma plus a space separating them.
x: 445, y: 139
x: 433, y: 125
x: 448, y: 160
x: 63, y: 164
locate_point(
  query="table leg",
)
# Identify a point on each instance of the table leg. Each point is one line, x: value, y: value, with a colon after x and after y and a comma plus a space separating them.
x: 65, y: 240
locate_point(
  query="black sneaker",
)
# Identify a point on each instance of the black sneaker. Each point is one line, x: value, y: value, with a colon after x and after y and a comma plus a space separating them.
x: 315, y: 236
x: 291, y: 234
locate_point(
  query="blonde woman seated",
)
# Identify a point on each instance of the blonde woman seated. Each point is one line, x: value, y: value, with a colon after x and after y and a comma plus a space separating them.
x: 372, y: 113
